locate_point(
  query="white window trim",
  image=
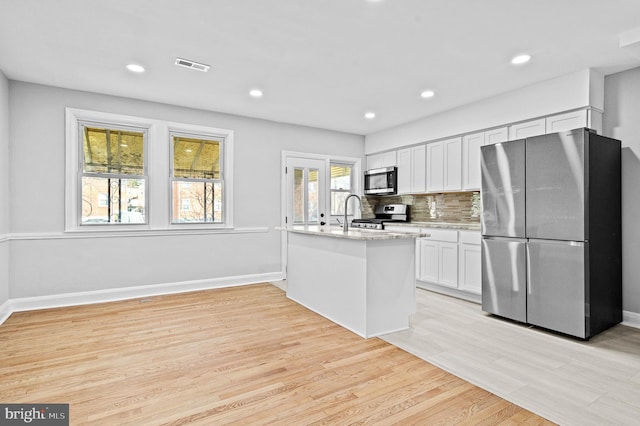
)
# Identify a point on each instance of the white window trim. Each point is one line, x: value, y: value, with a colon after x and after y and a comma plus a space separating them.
x: 328, y: 159
x: 334, y: 162
x: 226, y: 158
x: 117, y: 126
x: 157, y: 171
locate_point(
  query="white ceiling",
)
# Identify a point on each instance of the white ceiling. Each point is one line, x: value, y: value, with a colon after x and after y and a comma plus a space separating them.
x: 321, y: 63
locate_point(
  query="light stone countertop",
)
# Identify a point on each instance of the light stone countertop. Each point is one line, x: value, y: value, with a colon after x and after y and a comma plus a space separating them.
x: 441, y: 225
x: 352, y: 233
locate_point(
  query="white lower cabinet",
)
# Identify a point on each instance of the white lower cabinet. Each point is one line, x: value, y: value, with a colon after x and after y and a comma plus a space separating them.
x: 448, y: 266
x: 439, y: 257
x: 450, y: 261
x: 429, y: 266
x: 470, y: 262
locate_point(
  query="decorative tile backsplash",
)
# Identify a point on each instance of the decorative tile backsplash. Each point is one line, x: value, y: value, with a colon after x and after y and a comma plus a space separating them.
x: 461, y: 207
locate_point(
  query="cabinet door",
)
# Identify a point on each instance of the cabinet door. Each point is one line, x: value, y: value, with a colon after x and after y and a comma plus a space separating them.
x: 527, y: 129
x: 448, y: 264
x: 498, y: 135
x: 452, y: 165
x: 404, y: 171
x: 389, y: 159
x: 470, y: 269
x: 471, y: 160
x: 374, y: 161
x: 567, y: 121
x: 435, y: 167
x: 418, y: 169
x: 384, y: 159
x: 429, y: 264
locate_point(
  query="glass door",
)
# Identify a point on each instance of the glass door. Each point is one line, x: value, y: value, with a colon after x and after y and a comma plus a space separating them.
x: 306, y: 192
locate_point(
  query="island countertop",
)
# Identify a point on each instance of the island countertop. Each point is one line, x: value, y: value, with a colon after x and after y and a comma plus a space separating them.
x: 352, y: 233
x: 461, y: 226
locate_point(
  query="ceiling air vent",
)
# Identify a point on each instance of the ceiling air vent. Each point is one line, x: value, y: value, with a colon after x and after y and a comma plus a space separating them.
x: 193, y: 65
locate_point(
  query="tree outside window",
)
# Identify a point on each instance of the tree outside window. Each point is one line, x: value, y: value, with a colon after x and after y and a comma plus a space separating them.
x: 113, y: 175
x: 196, y: 179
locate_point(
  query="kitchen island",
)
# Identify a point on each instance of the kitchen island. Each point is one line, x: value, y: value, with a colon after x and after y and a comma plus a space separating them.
x: 361, y: 279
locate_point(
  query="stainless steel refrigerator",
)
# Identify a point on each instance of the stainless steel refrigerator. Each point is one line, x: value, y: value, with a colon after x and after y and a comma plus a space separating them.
x: 551, y: 225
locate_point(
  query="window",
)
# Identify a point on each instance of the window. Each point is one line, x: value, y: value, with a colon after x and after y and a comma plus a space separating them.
x: 196, y: 174
x: 129, y: 173
x: 306, y: 195
x: 341, y: 187
x: 112, y: 175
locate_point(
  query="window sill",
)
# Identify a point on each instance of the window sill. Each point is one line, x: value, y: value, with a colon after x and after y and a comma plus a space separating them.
x: 145, y: 232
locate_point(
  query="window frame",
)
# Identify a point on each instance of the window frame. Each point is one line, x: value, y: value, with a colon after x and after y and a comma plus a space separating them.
x: 212, y: 135
x: 226, y: 172
x: 158, y: 161
x: 82, y: 124
x: 337, y: 163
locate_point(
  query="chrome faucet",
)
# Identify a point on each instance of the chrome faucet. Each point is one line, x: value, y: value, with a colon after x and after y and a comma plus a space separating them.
x: 345, y: 225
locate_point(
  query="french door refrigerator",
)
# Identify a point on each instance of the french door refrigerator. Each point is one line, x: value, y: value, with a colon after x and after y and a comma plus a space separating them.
x: 551, y: 224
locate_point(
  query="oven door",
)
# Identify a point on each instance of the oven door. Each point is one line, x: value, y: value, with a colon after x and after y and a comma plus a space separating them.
x: 381, y: 181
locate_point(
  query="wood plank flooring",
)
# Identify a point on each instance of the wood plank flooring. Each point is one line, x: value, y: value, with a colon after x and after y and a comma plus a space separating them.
x: 242, y: 355
x: 568, y: 381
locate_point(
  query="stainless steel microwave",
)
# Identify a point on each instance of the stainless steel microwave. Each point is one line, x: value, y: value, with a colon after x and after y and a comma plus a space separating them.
x: 383, y: 181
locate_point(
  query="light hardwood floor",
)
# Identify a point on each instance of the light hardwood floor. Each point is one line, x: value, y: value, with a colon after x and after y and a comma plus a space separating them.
x: 243, y: 355
x: 568, y: 381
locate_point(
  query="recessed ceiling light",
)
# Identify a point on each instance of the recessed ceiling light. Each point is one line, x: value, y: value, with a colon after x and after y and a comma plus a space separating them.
x: 370, y: 115
x: 256, y: 93
x: 135, y: 68
x: 427, y: 94
x: 521, y: 59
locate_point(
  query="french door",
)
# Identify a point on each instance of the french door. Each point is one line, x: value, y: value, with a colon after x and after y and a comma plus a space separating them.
x: 305, y: 191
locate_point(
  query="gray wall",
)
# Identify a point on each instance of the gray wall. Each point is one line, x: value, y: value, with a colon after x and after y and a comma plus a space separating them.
x: 622, y: 121
x: 44, y: 261
x: 4, y: 188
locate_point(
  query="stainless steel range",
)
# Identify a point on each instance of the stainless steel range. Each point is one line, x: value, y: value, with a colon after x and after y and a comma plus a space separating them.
x: 384, y: 213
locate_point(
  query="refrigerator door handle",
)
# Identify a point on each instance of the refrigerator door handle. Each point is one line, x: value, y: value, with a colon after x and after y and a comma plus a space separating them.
x: 528, y: 258
x: 558, y: 242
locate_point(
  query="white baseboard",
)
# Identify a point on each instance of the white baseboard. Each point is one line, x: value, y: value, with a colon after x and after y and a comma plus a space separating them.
x: 631, y: 319
x: 111, y: 295
x: 5, y: 311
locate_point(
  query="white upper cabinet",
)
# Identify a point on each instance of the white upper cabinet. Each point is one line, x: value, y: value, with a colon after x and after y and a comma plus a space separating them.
x: 567, y: 121
x: 471, y: 145
x: 527, y: 129
x: 499, y: 135
x: 452, y: 164
x: 412, y: 168
x: 384, y: 159
x: 435, y: 167
x: 404, y: 171
x: 444, y: 165
x: 419, y: 168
